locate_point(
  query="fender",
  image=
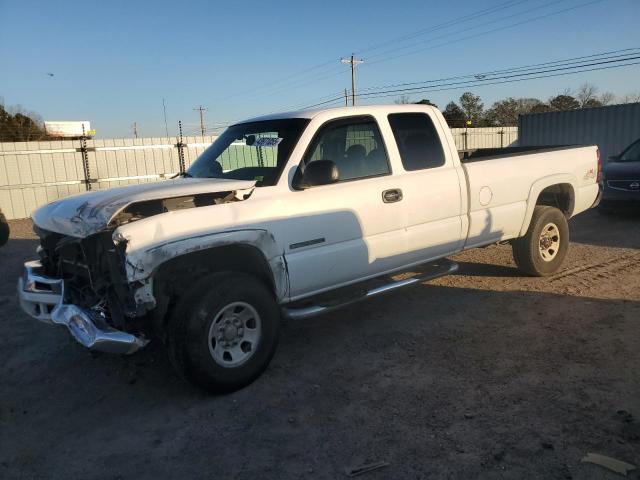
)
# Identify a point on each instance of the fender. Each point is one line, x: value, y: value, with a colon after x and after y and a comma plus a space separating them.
x: 537, y: 187
x: 140, y: 265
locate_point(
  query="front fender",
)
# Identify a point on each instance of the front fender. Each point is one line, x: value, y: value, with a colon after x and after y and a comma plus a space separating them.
x: 141, y: 264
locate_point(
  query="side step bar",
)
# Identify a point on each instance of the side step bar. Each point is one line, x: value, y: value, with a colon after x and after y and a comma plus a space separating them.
x: 427, y: 271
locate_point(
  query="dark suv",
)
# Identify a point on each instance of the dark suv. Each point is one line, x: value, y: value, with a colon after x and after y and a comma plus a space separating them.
x: 621, y: 180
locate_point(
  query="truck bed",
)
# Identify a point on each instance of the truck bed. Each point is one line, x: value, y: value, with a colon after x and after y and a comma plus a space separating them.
x: 479, y: 154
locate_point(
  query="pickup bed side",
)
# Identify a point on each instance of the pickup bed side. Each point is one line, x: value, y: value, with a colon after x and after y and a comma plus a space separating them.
x: 503, y: 191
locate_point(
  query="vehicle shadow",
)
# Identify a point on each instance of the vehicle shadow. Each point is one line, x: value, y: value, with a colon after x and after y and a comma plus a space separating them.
x: 476, y: 369
x: 474, y: 269
x: 615, y: 230
x: 467, y: 373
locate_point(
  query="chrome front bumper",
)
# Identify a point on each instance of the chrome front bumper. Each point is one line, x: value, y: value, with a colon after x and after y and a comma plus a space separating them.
x: 42, y: 298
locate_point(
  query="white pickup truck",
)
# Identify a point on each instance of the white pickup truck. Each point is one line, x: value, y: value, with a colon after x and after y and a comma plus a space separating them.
x: 292, y: 214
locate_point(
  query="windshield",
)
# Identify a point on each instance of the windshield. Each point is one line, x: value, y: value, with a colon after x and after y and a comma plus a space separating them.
x: 250, y: 151
x: 631, y: 154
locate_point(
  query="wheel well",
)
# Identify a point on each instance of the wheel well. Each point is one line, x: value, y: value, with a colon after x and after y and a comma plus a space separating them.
x: 560, y: 195
x: 174, y: 277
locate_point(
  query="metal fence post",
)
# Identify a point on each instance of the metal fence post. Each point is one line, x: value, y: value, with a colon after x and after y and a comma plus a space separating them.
x: 85, y: 160
x: 180, y: 145
x: 501, y: 138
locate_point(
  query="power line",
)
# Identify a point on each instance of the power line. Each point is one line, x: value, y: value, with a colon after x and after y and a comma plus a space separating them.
x: 534, y: 77
x: 486, y: 77
x: 489, y: 22
x: 603, y: 62
x: 482, y: 75
x: 455, y: 21
x: 487, y: 32
x: 457, y: 40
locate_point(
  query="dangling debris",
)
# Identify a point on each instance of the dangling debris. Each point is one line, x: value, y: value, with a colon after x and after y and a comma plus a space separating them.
x: 609, y: 463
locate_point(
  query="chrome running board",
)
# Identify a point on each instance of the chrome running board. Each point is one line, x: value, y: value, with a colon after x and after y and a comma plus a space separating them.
x: 309, y: 308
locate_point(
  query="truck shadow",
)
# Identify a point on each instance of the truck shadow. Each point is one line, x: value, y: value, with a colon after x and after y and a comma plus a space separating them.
x: 473, y: 269
x: 619, y: 230
x: 480, y: 365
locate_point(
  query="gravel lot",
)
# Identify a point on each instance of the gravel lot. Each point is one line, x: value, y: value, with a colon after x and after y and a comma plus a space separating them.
x: 482, y: 374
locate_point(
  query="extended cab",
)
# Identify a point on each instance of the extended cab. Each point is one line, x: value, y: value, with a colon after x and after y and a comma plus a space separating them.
x: 292, y: 214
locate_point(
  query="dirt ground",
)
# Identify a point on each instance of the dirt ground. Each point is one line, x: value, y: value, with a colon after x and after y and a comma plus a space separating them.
x: 485, y: 374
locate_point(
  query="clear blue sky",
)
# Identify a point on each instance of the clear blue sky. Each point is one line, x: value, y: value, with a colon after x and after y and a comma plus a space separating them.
x: 114, y: 61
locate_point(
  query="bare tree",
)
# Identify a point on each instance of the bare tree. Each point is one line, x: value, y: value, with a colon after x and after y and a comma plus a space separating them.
x: 607, y: 98
x: 587, y: 95
x: 633, y: 97
x: 403, y: 100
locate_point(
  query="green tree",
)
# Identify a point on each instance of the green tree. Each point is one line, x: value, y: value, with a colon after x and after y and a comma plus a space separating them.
x: 18, y: 126
x: 454, y: 115
x: 472, y: 107
x: 505, y: 113
x: 541, y: 108
x: 426, y: 101
x: 563, y: 102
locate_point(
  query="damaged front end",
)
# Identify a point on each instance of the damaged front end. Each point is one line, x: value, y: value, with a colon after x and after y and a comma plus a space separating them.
x: 80, y: 283
x: 80, y: 279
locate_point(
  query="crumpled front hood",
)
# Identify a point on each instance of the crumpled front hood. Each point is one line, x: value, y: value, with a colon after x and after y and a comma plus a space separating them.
x: 87, y: 213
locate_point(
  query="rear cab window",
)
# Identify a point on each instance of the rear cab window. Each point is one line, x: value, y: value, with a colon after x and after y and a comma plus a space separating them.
x: 418, y: 140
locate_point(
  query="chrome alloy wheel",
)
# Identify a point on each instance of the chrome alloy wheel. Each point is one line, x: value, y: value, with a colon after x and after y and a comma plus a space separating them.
x: 234, y: 334
x: 549, y: 244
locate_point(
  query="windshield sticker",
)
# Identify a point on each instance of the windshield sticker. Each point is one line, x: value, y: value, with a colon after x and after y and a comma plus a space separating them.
x: 263, y: 142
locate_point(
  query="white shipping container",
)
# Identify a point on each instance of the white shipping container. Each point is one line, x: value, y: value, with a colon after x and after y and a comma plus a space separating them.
x: 67, y: 129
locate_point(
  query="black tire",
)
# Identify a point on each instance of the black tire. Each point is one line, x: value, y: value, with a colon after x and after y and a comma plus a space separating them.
x: 191, y: 321
x: 527, y: 250
x: 4, y: 230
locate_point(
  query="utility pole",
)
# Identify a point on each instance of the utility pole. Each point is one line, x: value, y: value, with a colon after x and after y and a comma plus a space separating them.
x: 201, y: 109
x: 346, y: 98
x: 353, y: 62
x: 135, y: 129
x: 164, y: 110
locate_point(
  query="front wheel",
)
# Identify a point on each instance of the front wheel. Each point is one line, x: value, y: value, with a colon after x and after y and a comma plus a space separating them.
x: 545, y: 245
x: 223, y: 334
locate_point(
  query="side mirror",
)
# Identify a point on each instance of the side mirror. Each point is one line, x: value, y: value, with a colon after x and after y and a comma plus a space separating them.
x: 320, y: 172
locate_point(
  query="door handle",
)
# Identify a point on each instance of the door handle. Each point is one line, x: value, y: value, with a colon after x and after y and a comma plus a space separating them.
x: 392, y: 195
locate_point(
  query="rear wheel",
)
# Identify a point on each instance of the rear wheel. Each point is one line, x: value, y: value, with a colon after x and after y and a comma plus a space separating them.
x: 544, y: 247
x: 224, y: 333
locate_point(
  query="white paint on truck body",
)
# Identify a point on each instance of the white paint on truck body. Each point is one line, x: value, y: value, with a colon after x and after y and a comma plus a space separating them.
x: 328, y: 236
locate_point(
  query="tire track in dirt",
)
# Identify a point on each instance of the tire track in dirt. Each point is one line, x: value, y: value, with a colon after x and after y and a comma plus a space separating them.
x: 590, y: 275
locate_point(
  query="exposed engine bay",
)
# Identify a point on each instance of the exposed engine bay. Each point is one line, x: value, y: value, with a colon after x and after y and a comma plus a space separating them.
x: 93, y: 267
